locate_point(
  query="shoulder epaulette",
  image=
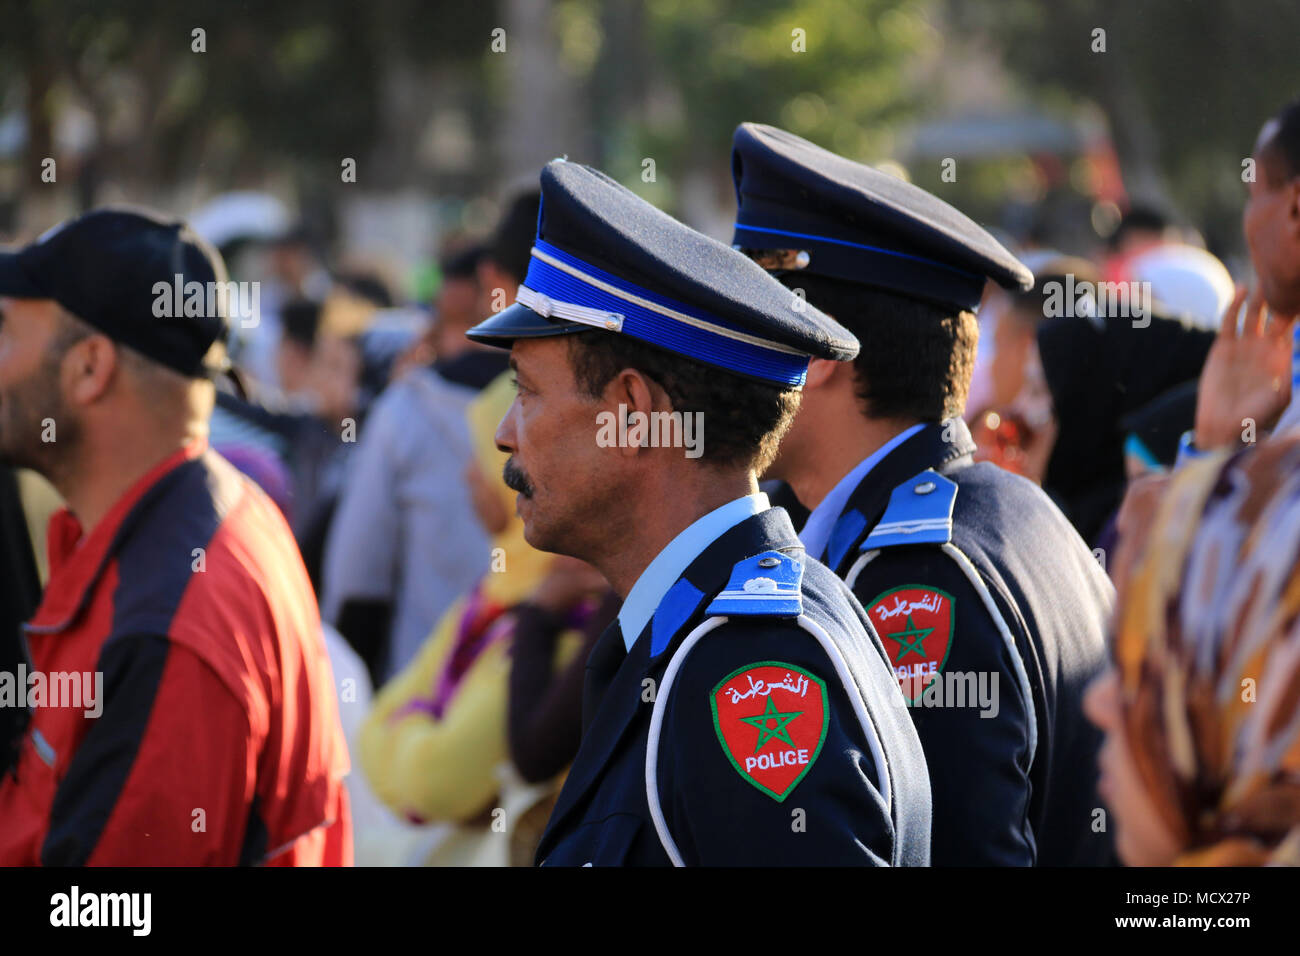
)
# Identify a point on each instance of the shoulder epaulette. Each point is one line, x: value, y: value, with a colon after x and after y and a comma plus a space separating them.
x: 766, y: 584
x: 919, y: 512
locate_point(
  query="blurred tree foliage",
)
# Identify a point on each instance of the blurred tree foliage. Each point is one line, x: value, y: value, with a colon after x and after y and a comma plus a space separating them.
x: 292, y: 83
x: 286, y: 88
x: 830, y: 70
x: 301, y: 83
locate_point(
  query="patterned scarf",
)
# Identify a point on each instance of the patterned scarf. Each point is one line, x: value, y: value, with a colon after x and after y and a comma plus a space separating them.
x: 1207, y: 648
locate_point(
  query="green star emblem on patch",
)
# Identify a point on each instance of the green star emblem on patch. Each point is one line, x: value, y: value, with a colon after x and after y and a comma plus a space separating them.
x: 771, y: 724
x: 910, y: 639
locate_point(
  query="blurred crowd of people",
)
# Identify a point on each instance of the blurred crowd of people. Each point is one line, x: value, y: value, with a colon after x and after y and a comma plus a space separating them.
x: 1168, y: 440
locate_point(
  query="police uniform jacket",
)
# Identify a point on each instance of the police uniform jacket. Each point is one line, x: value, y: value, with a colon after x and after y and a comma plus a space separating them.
x: 993, y: 613
x: 755, y: 720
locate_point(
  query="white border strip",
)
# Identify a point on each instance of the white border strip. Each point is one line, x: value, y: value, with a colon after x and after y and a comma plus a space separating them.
x: 1022, y: 676
x: 912, y: 527
x: 758, y: 595
x: 652, y: 738
x: 851, y: 579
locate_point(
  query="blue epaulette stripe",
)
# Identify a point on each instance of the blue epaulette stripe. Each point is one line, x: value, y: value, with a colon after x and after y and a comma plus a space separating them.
x: 919, y: 512
x: 780, y: 578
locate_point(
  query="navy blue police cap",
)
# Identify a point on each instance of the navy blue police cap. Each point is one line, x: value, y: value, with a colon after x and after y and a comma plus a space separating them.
x: 606, y: 259
x: 802, y: 208
x: 106, y: 267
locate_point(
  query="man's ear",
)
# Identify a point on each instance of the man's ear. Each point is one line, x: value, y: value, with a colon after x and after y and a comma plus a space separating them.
x: 821, y: 370
x: 88, y: 369
x: 637, y: 392
x: 633, y: 395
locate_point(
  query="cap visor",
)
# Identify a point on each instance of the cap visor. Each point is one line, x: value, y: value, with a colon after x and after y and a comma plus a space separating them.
x: 14, y: 281
x: 520, y: 322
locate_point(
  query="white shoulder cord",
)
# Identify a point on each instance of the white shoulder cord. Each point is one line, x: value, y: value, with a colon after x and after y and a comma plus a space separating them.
x: 661, y: 697
x: 652, y: 739
x: 852, y: 577
x: 859, y: 707
x: 1017, y: 662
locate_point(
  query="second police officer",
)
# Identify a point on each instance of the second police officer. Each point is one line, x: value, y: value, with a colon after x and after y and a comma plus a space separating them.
x: 991, y: 607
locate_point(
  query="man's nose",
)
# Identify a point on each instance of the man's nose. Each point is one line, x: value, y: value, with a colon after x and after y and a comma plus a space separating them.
x: 505, y: 434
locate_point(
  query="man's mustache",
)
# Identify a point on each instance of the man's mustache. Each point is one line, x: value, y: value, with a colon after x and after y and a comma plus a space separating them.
x: 515, y: 479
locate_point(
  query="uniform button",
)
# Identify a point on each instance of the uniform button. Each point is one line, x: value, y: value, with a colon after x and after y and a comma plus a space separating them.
x: 801, y: 260
x: 768, y: 562
x: 924, y: 488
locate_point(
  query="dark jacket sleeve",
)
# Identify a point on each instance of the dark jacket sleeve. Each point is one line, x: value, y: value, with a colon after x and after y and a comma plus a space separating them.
x: 976, y: 738
x: 834, y: 815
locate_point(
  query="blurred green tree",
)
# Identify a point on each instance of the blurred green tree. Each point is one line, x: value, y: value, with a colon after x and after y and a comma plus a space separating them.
x: 677, y: 76
x: 296, y: 84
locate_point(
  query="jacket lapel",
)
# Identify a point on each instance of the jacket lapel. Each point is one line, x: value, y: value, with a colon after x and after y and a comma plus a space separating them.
x: 616, y: 698
x: 928, y: 448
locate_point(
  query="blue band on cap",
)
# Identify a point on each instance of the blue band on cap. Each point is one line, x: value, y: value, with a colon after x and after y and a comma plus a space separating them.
x: 859, y: 245
x: 875, y: 265
x: 692, y: 332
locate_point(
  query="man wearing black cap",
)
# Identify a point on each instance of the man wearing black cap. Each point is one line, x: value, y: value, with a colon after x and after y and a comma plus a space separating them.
x: 738, y: 712
x: 178, y: 677
x: 990, y: 606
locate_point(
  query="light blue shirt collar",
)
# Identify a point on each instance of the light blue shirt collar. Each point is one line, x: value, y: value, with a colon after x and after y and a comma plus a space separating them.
x: 662, y: 573
x: 816, y: 533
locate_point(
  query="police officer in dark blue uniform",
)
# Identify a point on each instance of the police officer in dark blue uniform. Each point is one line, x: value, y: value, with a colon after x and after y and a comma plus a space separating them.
x: 991, y: 608
x: 740, y: 710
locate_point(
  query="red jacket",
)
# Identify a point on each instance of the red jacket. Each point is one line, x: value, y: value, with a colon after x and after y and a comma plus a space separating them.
x: 219, y: 739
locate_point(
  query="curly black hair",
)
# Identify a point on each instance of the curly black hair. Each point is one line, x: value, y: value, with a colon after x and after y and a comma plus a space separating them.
x: 916, y: 358
x: 745, y: 418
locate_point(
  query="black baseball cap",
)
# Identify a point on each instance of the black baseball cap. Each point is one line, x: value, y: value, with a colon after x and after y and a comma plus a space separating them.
x: 109, y: 268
